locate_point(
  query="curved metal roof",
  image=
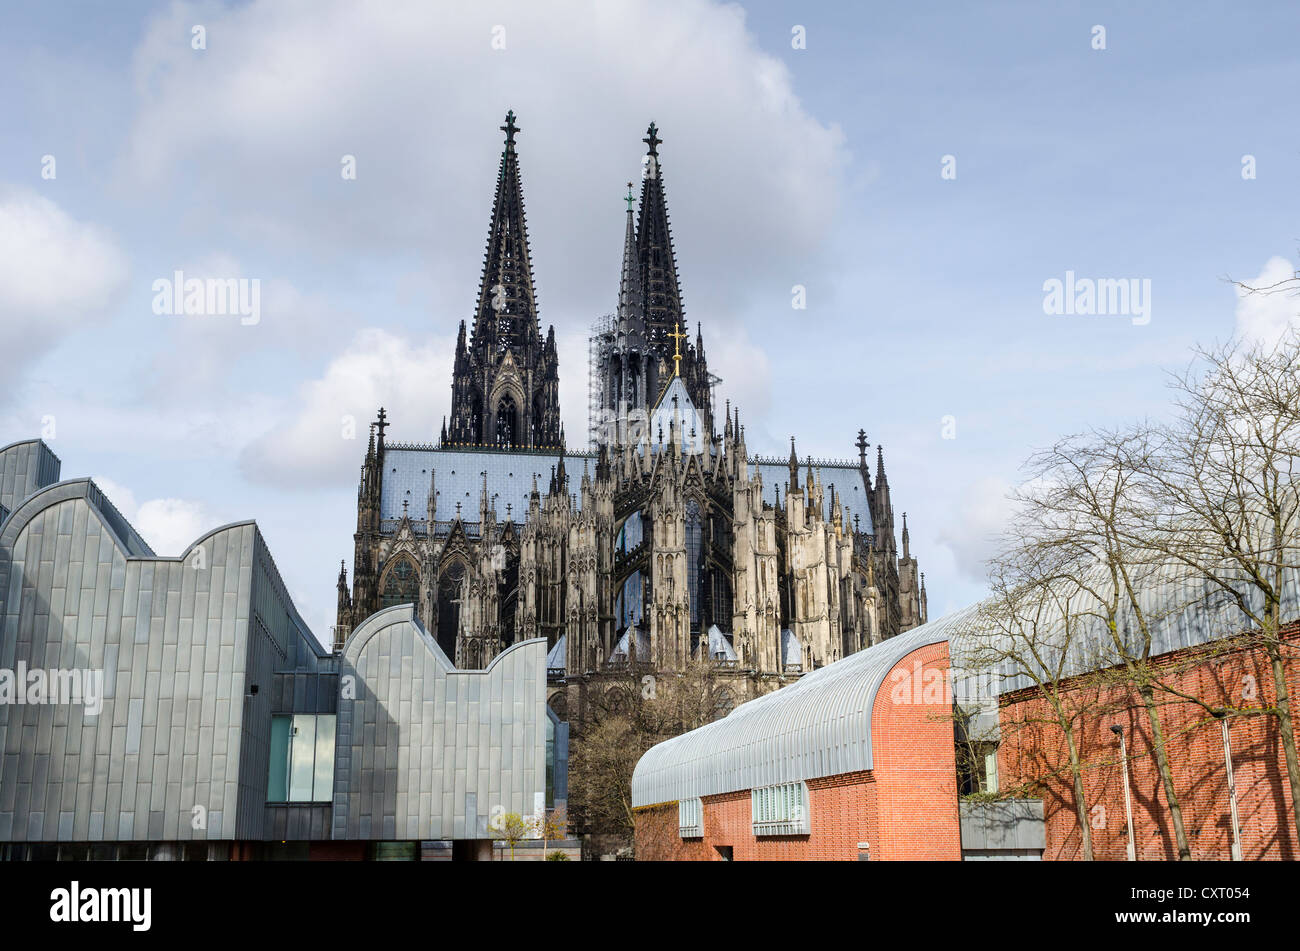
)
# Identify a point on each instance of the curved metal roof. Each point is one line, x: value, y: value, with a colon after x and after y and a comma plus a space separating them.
x: 817, y: 726
x: 1181, y: 610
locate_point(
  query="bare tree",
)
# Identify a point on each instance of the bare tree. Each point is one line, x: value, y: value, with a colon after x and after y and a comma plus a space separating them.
x: 1225, y: 502
x: 1090, y: 501
x: 1027, y: 627
x: 628, y: 714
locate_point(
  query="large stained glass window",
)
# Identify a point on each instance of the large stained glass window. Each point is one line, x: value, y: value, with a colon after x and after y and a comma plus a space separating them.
x: 630, y: 602
x: 401, y: 583
x: 694, y: 546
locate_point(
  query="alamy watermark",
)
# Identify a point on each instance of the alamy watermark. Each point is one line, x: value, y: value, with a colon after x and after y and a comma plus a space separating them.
x: 36, y: 686
x: 179, y: 296
x: 1100, y: 297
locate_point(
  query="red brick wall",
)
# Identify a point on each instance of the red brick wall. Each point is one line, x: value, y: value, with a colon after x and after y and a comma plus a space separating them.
x: 906, y: 807
x: 1195, y: 749
x: 914, y: 761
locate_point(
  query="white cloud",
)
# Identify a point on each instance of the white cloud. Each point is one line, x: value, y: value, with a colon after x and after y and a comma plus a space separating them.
x: 121, y: 497
x: 323, y: 436
x: 56, y: 273
x: 289, y: 88
x: 971, y: 533
x: 169, y: 525
x: 746, y: 374
x: 200, y: 352
x: 1266, y: 314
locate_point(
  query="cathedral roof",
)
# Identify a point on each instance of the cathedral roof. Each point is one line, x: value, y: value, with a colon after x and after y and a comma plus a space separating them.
x: 844, y: 475
x: 510, y: 478
x: 620, y: 651
x: 459, y: 478
x: 675, y: 408
x: 719, y: 646
x: 556, y: 658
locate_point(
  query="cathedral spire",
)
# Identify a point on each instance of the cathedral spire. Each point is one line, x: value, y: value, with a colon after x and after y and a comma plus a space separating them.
x: 905, y: 537
x: 794, y: 469
x: 629, y: 287
x: 656, y: 260
x: 505, y: 385
x: 506, y: 315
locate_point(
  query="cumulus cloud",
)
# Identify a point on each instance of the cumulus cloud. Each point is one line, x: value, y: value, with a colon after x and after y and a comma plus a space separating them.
x: 1266, y: 313
x: 746, y: 373
x: 322, y: 437
x: 983, y: 510
x: 169, y: 525
x: 56, y: 273
x: 199, y: 352
x: 288, y: 89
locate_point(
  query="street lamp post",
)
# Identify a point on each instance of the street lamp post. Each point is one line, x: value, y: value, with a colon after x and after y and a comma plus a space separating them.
x: 1128, y: 806
x: 1232, y: 788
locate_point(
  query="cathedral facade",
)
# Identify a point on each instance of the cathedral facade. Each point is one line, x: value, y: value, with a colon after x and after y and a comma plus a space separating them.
x: 663, y: 542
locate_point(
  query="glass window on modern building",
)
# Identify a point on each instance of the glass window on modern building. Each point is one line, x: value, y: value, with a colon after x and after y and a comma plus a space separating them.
x: 302, y: 758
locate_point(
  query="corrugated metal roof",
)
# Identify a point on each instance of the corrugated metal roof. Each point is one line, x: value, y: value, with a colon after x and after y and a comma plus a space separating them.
x: 817, y: 726
x: 1181, y: 611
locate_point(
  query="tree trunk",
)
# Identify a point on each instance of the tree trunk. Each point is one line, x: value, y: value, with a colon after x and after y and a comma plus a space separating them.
x: 1166, y: 775
x: 1285, y: 726
x: 1080, y: 801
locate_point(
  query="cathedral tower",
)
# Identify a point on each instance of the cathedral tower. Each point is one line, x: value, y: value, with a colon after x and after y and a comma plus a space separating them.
x: 505, y: 380
x: 639, y: 351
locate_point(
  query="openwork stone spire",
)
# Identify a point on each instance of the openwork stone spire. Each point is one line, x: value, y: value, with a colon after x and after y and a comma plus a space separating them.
x: 663, y: 300
x: 506, y: 315
x: 505, y: 385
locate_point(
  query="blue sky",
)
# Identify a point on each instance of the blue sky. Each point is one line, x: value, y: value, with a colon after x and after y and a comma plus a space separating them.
x: 817, y: 167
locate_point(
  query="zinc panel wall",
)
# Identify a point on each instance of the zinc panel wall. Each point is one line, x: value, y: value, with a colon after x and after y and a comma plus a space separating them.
x: 169, y: 638
x: 425, y: 751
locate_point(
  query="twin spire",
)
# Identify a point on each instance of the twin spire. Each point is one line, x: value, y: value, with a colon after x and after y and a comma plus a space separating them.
x: 506, y: 314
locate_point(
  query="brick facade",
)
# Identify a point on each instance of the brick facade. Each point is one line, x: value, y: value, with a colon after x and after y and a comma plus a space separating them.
x: 905, y: 806
x: 1220, y: 674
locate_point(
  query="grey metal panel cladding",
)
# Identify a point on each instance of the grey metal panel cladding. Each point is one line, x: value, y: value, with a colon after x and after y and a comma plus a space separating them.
x: 467, y: 744
x: 1014, y: 824
x: 174, y: 648
x: 818, y: 726
x: 25, y: 467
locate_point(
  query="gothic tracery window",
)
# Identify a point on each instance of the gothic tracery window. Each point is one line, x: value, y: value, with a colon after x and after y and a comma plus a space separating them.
x: 507, y: 423
x: 449, y: 580
x: 694, y: 553
x: 401, y: 583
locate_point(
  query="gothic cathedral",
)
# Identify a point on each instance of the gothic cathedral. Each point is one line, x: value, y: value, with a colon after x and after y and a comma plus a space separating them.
x: 673, y: 544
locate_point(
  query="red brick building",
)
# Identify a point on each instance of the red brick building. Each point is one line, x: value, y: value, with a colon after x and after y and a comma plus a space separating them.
x: 1221, y: 674
x: 855, y: 758
x: 863, y: 753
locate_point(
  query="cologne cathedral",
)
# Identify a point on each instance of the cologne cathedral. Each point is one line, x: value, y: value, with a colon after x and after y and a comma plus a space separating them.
x: 663, y: 541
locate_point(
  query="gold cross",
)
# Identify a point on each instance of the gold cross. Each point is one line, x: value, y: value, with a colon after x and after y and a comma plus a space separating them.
x: 678, y: 337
